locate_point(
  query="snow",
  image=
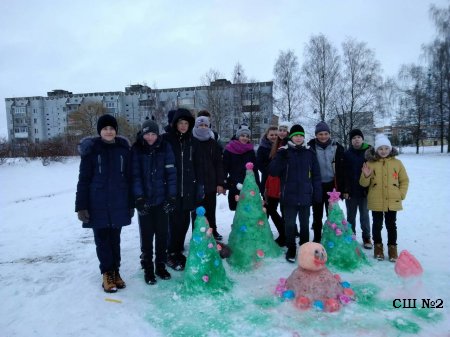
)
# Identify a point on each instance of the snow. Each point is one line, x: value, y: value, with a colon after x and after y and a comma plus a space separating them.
x: 51, y: 285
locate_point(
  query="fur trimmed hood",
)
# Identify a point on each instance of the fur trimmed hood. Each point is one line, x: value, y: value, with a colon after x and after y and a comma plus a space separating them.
x: 372, y: 155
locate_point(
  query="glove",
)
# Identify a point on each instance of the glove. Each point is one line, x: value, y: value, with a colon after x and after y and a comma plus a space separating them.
x: 131, y: 212
x: 83, y: 216
x: 141, y: 206
x: 169, y: 205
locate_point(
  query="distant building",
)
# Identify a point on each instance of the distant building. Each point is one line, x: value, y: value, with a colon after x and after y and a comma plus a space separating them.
x: 37, y: 118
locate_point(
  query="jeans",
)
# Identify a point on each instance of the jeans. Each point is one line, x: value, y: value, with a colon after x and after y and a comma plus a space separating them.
x: 352, y: 205
x: 290, y: 213
x: 390, y: 218
x: 153, y: 225
x: 107, y: 244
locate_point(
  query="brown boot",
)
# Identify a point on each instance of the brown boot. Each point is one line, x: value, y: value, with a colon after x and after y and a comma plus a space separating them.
x: 108, y: 282
x: 392, y: 250
x: 120, y: 284
x: 378, y: 252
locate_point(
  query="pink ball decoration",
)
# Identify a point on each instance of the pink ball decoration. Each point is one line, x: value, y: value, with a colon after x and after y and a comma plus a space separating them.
x: 344, y: 299
x: 338, y: 232
x: 219, y: 247
x: 236, y: 198
x: 353, y: 237
x: 249, y: 166
x: 332, y: 305
x: 260, y: 253
x: 349, y: 292
x: 205, y: 278
x: 337, y: 277
x: 252, y: 193
x: 407, y: 265
x: 333, y: 225
x: 209, y: 232
x: 210, y: 245
x: 302, y: 303
x: 344, y: 221
x: 282, y: 281
x: 261, y: 223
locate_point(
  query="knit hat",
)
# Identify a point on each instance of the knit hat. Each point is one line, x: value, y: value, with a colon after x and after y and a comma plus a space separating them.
x: 322, y: 126
x: 284, y: 124
x: 202, y: 120
x: 297, y: 130
x: 106, y: 120
x: 150, y: 126
x: 355, y: 132
x: 243, y: 130
x: 382, y: 140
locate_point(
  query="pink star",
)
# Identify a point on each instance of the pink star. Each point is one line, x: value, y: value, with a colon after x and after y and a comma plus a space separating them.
x: 334, y: 196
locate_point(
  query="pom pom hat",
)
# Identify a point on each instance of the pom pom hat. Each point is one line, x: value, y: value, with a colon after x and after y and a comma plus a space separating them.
x: 382, y: 140
x: 243, y: 130
x: 106, y: 120
x: 355, y: 132
x: 297, y: 130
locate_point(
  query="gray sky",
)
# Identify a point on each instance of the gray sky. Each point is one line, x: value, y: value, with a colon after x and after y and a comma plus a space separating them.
x: 95, y: 46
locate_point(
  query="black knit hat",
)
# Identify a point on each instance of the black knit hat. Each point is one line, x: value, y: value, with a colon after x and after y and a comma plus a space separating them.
x: 106, y: 120
x: 296, y: 130
x: 355, y: 132
x: 150, y: 126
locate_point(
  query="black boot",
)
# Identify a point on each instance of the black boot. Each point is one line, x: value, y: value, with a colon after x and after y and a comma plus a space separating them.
x: 162, y: 272
x: 290, y: 255
x: 149, y: 274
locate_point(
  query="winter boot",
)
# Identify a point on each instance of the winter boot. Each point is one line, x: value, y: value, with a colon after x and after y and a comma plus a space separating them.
x: 290, y: 255
x: 176, y: 261
x: 392, y: 251
x: 149, y: 274
x: 120, y: 284
x: 378, y: 252
x: 367, y: 244
x: 108, y: 282
x: 162, y: 272
x: 216, y: 235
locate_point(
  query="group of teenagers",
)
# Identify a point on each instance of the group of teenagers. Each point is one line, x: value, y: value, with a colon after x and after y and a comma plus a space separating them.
x: 166, y: 176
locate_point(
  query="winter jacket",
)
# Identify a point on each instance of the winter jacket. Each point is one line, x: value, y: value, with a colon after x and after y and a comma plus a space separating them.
x: 210, y: 154
x: 336, y: 152
x: 234, y: 167
x: 353, y: 162
x: 187, y: 162
x: 103, y: 187
x: 388, y: 183
x: 299, y: 173
x: 154, y: 175
x: 262, y: 158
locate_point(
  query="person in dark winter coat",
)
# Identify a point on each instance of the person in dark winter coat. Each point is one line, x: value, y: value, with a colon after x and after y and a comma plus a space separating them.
x: 170, y: 115
x: 103, y: 200
x: 354, y: 194
x: 190, y: 190
x: 210, y: 155
x: 206, y: 113
x: 330, y: 155
x: 270, y: 183
x: 154, y: 178
x: 237, y: 153
x: 299, y: 172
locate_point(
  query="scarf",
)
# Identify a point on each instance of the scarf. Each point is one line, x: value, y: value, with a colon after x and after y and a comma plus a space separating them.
x: 202, y: 134
x: 237, y: 147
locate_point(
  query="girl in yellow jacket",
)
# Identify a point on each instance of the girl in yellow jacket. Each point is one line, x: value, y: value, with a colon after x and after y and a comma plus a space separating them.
x: 387, y: 180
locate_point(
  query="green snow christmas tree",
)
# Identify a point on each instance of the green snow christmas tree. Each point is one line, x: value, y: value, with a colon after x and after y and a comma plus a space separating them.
x: 339, y: 240
x: 204, y: 272
x: 251, y: 240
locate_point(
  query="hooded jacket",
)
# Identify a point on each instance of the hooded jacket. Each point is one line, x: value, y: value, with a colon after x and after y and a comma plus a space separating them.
x: 388, y: 183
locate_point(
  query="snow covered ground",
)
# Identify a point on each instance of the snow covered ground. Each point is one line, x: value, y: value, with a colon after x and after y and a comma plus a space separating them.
x: 51, y: 285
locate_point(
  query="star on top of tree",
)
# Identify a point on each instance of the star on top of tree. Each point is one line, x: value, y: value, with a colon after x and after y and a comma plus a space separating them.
x: 334, y: 196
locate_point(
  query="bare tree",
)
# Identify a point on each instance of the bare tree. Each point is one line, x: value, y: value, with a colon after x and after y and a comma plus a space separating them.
x: 321, y: 74
x: 239, y: 74
x: 287, y: 85
x: 358, y: 88
x: 413, y: 102
x: 83, y: 121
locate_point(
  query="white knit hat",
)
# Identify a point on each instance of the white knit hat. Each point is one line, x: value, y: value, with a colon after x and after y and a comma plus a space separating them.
x: 285, y: 124
x: 382, y: 140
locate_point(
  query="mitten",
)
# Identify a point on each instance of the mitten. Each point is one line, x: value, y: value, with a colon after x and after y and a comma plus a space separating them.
x: 169, y: 205
x: 83, y: 216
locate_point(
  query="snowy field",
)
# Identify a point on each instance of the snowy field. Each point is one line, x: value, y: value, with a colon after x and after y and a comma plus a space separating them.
x: 51, y: 285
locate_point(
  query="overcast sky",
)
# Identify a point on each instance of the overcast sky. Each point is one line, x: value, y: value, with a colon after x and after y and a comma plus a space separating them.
x: 95, y: 46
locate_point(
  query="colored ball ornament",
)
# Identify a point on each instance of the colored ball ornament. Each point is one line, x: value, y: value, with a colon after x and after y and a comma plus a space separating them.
x: 200, y: 211
x: 344, y: 299
x: 288, y: 294
x: 197, y: 238
x: 353, y: 237
x: 219, y: 247
x: 203, y: 229
x: 243, y: 228
x: 349, y: 292
x: 318, y: 305
x: 201, y: 254
x: 210, y: 245
x: 260, y: 253
x: 209, y: 232
x: 348, y: 239
x: 236, y: 198
x: 330, y: 244
x: 345, y: 284
x: 332, y: 305
x: 216, y: 263
x: 337, y: 277
x: 239, y: 186
x: 333, y: 225
x: 249, y: 166
x: 252, y: 193
x: 205, y: 278
x: 302, y: 303
x: 261, y: 222
x: 344, y: 222
x: 338, y: 232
